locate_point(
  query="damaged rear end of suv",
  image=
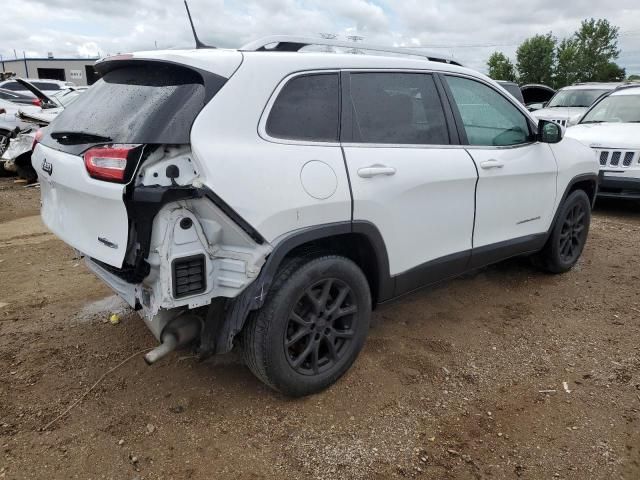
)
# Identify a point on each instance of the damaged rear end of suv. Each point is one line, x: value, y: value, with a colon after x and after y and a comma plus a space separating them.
x: 121, y: 184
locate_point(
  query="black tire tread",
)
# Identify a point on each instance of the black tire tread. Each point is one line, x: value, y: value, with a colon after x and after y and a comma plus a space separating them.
x: 254, y: 334
x: 544, y: 260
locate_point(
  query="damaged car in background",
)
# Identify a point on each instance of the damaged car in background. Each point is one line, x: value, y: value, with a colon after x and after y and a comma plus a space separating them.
x: 20, y: 125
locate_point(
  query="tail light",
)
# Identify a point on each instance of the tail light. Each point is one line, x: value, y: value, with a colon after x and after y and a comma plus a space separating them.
x: 108, y: 162
x: 37, y: 102
x: 36, y: 139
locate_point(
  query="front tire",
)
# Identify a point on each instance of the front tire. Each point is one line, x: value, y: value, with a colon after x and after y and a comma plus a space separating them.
x: 569, y: 235
x: 312, y: 326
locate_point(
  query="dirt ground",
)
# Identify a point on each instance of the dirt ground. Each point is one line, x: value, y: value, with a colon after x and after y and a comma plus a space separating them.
x: 449, y: 386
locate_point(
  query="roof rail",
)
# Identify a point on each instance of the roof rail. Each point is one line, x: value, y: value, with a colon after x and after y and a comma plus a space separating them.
x: 287, y: 43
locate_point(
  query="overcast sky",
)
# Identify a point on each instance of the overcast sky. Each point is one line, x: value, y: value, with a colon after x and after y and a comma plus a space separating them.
x: 469, y: 30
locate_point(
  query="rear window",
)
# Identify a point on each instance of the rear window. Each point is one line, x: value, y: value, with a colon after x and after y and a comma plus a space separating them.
x: 307, y: 108
x: 150, y: 103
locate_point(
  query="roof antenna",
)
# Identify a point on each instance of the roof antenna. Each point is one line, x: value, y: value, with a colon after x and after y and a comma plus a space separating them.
x: 199, y: 44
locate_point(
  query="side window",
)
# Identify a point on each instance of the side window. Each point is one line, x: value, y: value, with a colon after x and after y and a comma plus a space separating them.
x: 399, y: 108
x: 489, y: 119
x: 307, y: 108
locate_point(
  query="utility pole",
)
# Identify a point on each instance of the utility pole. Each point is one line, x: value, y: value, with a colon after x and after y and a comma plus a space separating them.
x: 26, y: 67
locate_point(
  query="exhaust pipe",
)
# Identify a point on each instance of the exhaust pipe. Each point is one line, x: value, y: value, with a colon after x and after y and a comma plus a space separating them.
x: 178, y: 333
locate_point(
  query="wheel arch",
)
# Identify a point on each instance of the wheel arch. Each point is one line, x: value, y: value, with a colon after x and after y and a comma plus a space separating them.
x: 588, y: 182
x: 359, y: 241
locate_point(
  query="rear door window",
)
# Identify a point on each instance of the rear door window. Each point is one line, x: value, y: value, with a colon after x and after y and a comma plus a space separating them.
x: 150, y: 103
x: 489, y: 118
x: 307, y: 108
x: 397, y: 108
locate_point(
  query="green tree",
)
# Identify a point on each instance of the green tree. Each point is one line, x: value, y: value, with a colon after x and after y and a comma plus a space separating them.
x: 611, y: 72
x: 568, y: 68
x: 597, y: 43
x: 633, y: 78
x: 536, y: 59
x: 500, y: 67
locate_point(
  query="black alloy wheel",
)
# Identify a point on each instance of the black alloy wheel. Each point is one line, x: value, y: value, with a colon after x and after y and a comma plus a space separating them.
x: 568, y: 236
x: 312, y: 325
x: 573, y: 233
x: 321, y: 327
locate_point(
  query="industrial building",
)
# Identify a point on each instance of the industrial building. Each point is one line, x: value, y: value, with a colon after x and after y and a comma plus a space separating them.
x: 77, y: 70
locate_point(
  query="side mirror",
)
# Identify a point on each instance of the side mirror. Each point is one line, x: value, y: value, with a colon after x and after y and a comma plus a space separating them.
x: 549, y: 132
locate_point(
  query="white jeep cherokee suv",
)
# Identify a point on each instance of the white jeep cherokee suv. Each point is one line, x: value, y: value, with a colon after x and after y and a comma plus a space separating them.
x: 568, y: 105
x: 271, y: 198
x: 612, y: 129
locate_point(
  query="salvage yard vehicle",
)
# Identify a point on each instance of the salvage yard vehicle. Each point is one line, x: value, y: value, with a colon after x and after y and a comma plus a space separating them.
x: 16, y: 157
x: 43, y: 84
x: 611, y: 128
x: 18, y: 98
x: 536, y: 95
x: 513, y: 89
x: 569, y: 103
x: 269, y: 199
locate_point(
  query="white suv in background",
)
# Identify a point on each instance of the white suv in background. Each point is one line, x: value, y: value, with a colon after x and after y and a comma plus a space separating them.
x: 568, y: 105
x: 612, y: 129
x: 272, y: 200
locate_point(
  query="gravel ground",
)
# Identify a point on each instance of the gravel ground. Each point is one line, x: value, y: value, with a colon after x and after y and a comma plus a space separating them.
x: 505, y: 373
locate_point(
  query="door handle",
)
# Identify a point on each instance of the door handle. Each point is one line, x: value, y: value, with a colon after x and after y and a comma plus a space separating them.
x: 375, y: 170
x: 488, y: 164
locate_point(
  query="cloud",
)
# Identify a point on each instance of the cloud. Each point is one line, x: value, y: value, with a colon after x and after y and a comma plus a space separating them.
x: 465, y: 29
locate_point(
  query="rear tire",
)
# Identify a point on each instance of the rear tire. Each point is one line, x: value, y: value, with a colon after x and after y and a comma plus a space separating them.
x: 311, y: 327
x: 569, y: 235
x: 24, y: 169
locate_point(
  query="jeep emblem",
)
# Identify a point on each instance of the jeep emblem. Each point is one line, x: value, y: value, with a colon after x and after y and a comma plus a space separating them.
x: 47, y: 167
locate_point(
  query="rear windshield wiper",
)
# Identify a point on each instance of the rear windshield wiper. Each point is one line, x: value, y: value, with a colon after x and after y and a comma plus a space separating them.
x: 74, y: 138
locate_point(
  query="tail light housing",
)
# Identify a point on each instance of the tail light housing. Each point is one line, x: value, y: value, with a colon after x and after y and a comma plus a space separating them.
x: 36, y: 138
x: 109, y: 162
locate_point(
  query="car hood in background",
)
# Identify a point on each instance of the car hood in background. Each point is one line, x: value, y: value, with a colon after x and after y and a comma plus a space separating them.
x: 607, y: 135
x: 559, y: 113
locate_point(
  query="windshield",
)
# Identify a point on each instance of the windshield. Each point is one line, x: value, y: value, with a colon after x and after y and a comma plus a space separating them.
x: 615, y: 109
x: 576, y: 98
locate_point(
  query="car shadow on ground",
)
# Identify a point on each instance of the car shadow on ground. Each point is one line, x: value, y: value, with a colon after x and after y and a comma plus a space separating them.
x: 620, y: 208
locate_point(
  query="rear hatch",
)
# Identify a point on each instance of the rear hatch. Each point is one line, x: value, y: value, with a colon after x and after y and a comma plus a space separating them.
x: 86, y: 159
